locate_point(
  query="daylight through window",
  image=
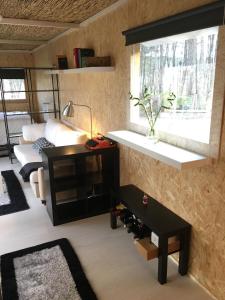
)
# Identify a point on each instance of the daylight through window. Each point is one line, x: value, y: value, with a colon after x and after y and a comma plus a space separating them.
x: 14, y: 89
x: 185, y: 65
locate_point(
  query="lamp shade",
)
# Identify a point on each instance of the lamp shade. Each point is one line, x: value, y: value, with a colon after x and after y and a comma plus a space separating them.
x: 68, y: 110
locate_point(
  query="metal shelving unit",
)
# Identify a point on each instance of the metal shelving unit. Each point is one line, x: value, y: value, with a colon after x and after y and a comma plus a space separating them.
x: 31, y: 95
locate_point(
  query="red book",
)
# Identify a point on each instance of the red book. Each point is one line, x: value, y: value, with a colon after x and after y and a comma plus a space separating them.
x: 75, y: 56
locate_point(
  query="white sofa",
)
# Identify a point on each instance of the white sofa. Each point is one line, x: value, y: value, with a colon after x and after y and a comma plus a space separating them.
x: 55, y: 132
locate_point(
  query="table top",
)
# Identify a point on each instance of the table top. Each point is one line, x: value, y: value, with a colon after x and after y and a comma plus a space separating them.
x: 62, y: 152
x: 154, y: 215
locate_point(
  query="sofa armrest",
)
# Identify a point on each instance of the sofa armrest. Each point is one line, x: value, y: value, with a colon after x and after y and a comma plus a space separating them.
x: 34, y: 183
x: 32, y: 132
x: 41, y: 183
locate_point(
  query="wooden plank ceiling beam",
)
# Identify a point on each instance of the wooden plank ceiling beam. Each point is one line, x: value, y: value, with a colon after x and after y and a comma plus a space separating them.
x: 25, y: 22
x: 16, y: 51
x: 22, y: 42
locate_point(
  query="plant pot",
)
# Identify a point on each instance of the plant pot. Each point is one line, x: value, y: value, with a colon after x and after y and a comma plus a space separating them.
x: 152, y: 136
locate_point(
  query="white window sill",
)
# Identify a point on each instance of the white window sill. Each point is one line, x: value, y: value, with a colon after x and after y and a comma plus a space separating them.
x: 166, y: 153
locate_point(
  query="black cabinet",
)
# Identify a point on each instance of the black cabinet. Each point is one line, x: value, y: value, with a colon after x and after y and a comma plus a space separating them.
x: 78, y: 181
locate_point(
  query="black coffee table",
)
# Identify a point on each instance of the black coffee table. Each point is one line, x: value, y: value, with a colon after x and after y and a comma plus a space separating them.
x: 160, y: 220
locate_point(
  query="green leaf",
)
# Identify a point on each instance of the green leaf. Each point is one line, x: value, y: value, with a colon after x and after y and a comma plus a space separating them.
x: 145, y: 89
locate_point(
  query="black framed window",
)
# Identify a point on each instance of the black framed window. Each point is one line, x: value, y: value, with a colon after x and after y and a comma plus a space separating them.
x: 13, y: 84
x: 181, y: 54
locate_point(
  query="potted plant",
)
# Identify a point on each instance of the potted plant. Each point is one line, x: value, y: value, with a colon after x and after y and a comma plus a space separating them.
x: 152, y: 109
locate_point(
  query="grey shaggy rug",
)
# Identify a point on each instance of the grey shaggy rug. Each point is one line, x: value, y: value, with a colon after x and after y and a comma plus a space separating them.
x: 44, y: 275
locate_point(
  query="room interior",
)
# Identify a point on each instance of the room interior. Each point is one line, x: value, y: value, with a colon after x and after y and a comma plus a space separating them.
x: 185, y: 176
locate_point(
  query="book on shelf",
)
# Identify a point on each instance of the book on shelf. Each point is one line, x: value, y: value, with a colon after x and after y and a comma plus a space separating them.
x: 75, y: 56
x: 62, y: 62
x: 103, y: 61
x: 79, y: 53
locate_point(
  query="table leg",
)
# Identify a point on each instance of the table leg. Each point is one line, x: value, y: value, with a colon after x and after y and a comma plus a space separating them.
x: 113, y: 219
x: 184, y: 251
x: 162, y: 260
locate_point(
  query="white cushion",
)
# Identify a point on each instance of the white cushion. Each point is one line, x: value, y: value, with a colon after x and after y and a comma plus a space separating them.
x: 51, y: 128
x: 54, y: 131
x: 32, y: 132
x: 26, y: 154
x: 67, y: 136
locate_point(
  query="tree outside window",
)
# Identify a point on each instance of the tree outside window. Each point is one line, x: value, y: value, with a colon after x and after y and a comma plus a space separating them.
x: 185, y: 65
x: 14, y: 89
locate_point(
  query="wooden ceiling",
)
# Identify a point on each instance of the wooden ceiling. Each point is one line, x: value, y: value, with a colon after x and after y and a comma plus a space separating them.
x: 62, y: 12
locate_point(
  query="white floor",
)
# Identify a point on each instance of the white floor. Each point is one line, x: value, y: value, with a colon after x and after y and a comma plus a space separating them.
x: 114, y: 268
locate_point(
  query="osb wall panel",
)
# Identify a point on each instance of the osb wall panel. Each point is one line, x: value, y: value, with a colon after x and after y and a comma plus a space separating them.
x: 16, y: 60
x: 81, y: 88
x: 197, y: 195
x: 15, y: 105
x: 141, y: 12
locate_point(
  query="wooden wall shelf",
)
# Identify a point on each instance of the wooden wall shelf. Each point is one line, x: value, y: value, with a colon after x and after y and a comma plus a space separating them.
x: 171, y: 155
x: 82, y: 70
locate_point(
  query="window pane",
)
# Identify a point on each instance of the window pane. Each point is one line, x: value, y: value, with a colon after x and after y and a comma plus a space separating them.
x: 185, y: 65
x: 14, y: 85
